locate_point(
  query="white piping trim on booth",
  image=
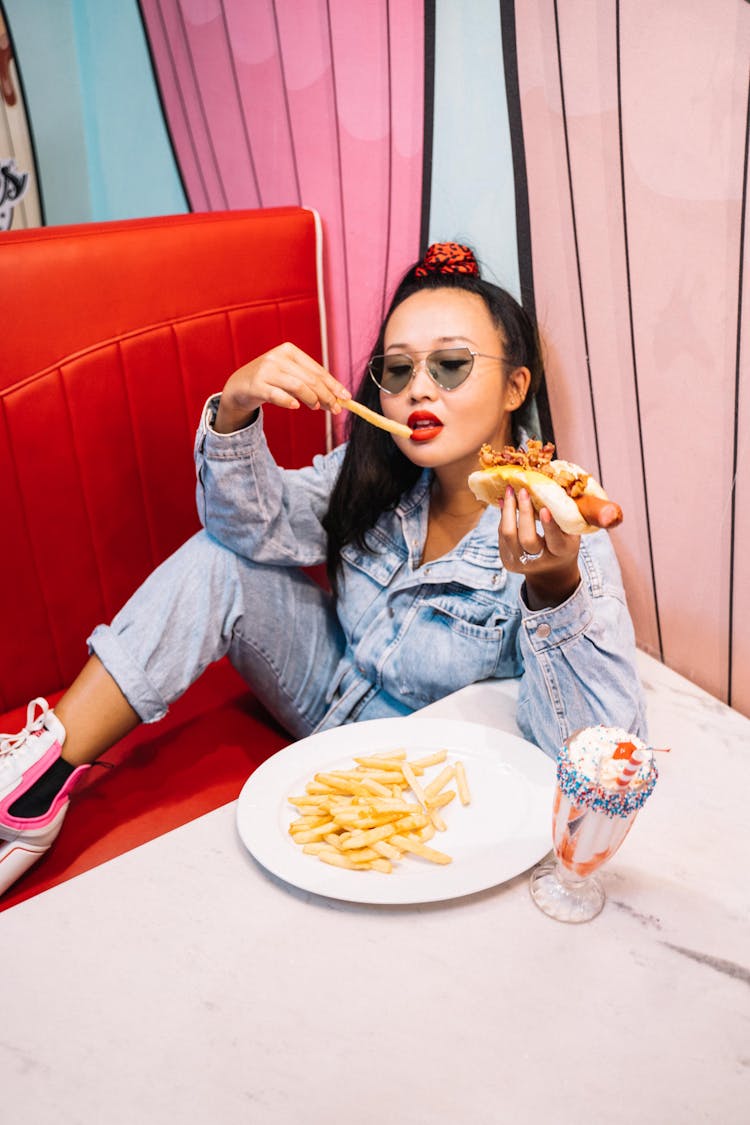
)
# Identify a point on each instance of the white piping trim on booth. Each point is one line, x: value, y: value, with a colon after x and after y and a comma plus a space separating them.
x: 322, y: 311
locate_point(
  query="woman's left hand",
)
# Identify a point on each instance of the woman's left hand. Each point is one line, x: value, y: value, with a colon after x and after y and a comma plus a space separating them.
x: 552, y: 576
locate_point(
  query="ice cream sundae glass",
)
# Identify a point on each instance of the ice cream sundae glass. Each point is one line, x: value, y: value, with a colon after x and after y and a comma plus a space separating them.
x: 604, y: 776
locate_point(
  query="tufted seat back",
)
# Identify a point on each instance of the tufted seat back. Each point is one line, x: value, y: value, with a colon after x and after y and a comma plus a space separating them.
x: 113, y: 335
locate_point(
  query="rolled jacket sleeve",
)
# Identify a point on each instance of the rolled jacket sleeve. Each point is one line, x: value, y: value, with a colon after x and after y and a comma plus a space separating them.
x: 579, y: 658
x: 252, y: 505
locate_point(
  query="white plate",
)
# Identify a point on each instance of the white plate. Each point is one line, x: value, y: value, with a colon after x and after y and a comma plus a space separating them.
x: 504, y: 831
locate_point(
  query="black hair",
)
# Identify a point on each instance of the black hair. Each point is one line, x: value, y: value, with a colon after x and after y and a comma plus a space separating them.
x: 375, y: 474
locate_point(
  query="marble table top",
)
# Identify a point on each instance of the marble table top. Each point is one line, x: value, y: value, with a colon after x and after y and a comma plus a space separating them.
x: 182, y: 983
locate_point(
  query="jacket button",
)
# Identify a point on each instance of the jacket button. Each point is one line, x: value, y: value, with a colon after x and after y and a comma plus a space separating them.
x: 543, y: 631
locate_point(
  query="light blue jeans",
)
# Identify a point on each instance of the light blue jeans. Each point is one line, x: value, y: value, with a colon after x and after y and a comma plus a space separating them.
x: 278, y: 627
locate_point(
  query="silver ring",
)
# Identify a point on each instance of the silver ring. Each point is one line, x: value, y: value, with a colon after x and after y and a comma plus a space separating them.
x: 525, y: 557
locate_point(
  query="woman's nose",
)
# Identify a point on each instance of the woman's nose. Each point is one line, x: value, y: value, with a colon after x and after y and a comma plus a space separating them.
x: 422, y: 384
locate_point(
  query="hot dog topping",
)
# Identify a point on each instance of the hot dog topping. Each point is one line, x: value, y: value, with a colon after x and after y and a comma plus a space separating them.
x: 539, y: 458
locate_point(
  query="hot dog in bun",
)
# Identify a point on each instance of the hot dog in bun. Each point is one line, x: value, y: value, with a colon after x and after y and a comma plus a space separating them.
x: 577, y: 502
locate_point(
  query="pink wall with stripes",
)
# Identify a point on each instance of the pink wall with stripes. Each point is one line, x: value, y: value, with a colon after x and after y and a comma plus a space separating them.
x: 635, y: 133
x: 276, y: 103
x: 634, y: 130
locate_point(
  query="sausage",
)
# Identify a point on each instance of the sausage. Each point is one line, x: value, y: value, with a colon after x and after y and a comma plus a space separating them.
x: 598, y: 512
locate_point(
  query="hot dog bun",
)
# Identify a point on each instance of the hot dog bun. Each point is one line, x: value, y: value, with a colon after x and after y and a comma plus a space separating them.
x: 577, y: 502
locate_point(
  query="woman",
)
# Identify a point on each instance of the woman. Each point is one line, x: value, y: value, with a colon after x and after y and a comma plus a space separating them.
x: 430, y: 590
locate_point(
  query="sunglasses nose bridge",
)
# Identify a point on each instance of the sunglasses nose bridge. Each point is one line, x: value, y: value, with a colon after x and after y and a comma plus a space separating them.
x: 421, y: 365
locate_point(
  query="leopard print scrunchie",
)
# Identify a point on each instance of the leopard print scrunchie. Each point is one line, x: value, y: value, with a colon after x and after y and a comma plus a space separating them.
x: 447, y: 257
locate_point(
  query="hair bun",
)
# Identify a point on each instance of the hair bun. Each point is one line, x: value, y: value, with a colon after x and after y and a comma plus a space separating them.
x: 448, y: 257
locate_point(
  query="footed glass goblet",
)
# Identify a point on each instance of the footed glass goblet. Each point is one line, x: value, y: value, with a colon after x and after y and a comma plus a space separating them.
x: 591, y: 816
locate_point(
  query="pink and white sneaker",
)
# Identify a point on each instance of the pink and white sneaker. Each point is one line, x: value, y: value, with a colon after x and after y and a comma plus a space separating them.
x: 35, y: 784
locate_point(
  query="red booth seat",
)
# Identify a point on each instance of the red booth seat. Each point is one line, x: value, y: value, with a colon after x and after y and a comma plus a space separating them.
x: 114, y: 334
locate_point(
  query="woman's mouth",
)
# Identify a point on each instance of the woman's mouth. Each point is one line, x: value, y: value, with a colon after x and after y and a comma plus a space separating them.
x: 424, y: 426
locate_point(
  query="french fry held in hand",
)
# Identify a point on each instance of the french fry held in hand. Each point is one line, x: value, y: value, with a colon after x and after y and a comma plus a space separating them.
x: 375, y: 419
x: 370, y: 817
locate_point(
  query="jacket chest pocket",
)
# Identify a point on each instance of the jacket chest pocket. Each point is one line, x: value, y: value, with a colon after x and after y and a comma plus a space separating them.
x: 455, y: 639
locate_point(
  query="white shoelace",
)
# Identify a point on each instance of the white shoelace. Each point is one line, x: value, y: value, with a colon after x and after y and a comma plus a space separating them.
x: 34, y: 723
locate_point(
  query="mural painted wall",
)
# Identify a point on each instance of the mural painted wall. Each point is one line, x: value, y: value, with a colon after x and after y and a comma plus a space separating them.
x: 637, y: 179
x: 19, y: 189
x: 319, y: 103
x: 593, y: 151
x: 101, y: 145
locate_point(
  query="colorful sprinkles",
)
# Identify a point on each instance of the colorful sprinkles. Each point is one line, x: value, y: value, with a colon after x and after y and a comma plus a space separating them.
x: 583, y: 792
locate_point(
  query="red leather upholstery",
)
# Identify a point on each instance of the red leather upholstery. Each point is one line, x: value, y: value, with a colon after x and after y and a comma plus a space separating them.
x: 113, y: 336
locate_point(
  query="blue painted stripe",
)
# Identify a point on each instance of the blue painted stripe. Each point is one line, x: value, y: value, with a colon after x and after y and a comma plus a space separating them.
x: 473, y: 194
x: 102, y: 146
x: 131, y: 165
x: 45, y: 54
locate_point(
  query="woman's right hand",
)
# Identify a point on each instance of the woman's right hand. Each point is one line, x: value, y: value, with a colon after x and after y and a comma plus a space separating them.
x: 285, y: 376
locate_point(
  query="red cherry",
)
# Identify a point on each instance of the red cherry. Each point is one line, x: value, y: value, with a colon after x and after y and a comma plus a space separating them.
x: 624, y: 750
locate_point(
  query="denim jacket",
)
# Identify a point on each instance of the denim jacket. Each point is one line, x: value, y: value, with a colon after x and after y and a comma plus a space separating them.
x: 422, y: 631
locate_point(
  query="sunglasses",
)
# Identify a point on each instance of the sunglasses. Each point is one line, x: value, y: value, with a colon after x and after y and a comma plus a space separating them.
x: 449, y: 367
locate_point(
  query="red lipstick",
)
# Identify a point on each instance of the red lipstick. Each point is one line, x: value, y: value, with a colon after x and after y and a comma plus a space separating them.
x: 424, y: 425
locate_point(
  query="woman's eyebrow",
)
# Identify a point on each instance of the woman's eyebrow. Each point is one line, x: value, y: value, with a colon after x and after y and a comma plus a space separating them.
x: 404, y: 347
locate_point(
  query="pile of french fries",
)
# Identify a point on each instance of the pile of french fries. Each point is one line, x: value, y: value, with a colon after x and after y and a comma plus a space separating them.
x: 367, y: 818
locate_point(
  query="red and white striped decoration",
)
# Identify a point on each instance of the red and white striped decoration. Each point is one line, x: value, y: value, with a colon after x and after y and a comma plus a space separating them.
x: 631, y: 767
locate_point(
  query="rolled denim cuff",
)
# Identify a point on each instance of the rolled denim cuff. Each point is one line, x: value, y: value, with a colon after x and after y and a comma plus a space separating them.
x: 226, y: 447
x: 546, y: 629
x: 132, y: 681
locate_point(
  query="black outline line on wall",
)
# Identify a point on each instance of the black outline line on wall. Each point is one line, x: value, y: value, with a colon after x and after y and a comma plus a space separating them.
x: 735, y: 435
x: 518, y: 152
x: 521, y: 189
x: 631, y: 324
x: 280, y: 56
x: 29, y: 124
x: 209, y: 137
x: 428, y: 125
x: 341, y: 185
x: 163, y: 108
x: 389, y: 217
x: 240, y: 103
x: 181, y: 98
x: 574, y: 220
